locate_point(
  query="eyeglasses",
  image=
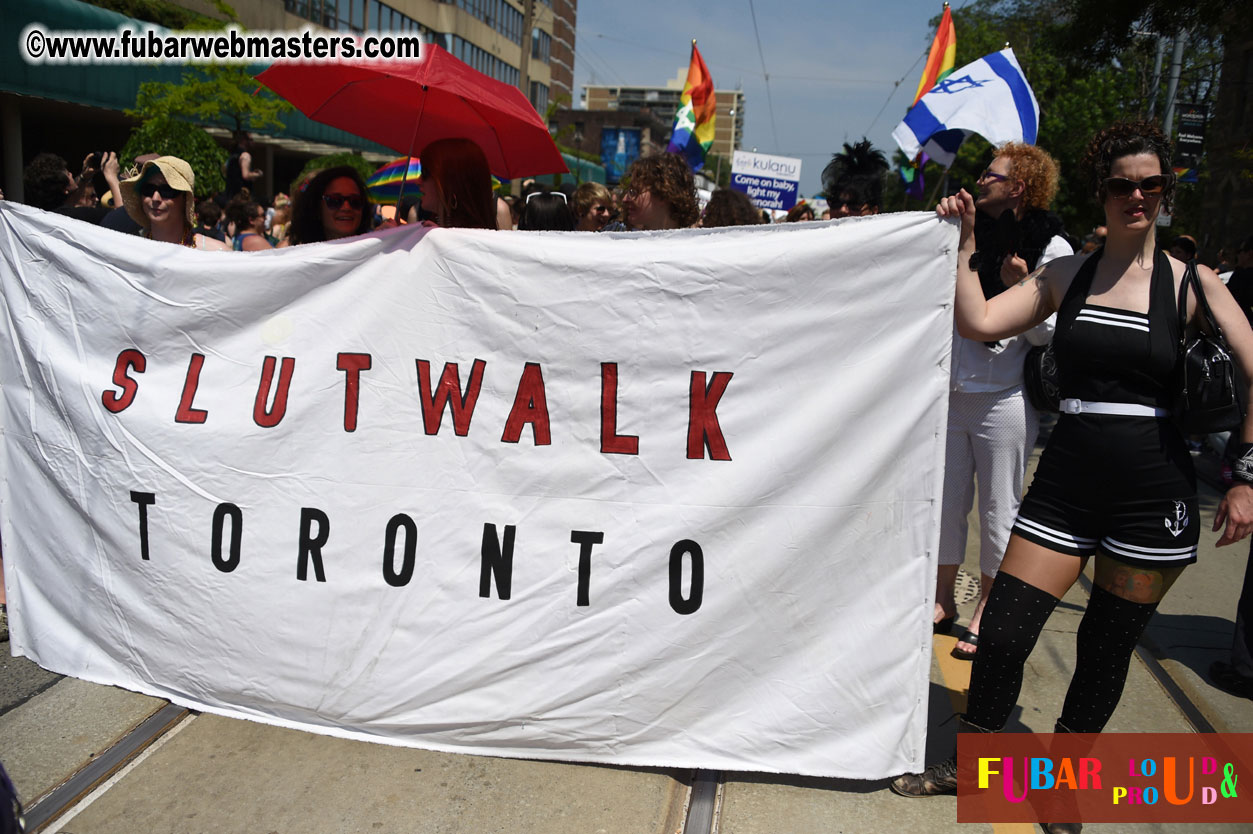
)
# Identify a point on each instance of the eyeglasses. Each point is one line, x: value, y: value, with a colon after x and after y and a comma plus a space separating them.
x: 559, y: 194
x: 1120, y: 188
x: 334, y: 201
x: 167, y: 191
x: 989, y: 174
x: 632, y: 193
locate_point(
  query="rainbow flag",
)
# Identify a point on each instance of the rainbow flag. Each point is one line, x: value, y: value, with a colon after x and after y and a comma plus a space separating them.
x: 941, y: 59
x: 693, y: 131
x: 912, y: 175
x: 1187, y: 173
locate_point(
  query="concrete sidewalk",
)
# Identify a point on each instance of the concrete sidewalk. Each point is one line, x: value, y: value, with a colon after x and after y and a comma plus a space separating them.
x: 212, y: 774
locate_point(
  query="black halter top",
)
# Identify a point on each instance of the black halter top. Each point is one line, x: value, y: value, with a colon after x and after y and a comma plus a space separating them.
x: 1118, y: 356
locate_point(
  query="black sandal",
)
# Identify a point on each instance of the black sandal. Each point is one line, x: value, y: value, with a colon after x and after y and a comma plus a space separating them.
x: 967, y: 637
x: 944, y: 625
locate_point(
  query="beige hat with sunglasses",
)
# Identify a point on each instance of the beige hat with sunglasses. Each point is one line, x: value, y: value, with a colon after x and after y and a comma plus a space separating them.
x: 178, y: 175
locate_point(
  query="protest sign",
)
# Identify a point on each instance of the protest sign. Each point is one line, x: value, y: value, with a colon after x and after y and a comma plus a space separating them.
x: 771, y: 182
x: 659, y: 499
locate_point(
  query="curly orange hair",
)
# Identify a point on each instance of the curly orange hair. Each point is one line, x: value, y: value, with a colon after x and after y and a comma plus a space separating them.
x: 1038, y: 171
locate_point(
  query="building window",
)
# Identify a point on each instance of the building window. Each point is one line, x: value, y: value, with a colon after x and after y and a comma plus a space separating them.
x: 330, y: 19
x: 498, y: 14
x: 483, y: 61
x: 541, y: 45
x: 539, y: 96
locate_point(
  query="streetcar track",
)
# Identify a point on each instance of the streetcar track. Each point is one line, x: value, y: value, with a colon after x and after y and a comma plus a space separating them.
x: 703, y: 801
x: 70, y: 793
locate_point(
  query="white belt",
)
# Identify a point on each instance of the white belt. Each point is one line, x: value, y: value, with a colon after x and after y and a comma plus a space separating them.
x: 1123, y: 409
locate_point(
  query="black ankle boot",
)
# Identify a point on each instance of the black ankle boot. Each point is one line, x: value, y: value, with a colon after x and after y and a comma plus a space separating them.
x: 939, y: 778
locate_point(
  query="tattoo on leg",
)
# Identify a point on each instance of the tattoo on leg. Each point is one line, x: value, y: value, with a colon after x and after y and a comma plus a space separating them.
x: 1133, y: 584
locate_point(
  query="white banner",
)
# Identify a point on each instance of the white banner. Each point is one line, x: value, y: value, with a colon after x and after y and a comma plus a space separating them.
x: 665, y: 499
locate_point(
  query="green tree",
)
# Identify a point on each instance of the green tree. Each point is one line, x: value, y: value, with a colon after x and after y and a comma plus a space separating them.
x: 169, y: 112
x: 212, y: 95
x: 1096, y: 31
x: 172, y: 137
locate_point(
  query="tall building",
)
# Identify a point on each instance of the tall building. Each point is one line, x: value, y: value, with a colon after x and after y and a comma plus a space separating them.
x: 664, y: 102
x: 489, y: 35
x: 73, y: 110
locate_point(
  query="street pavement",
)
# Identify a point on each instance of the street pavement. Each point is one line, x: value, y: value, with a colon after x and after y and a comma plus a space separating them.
x: 219, y: 775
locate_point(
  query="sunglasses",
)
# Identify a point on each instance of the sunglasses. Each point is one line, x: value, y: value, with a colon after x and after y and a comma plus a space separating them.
x: 1120, y: 188
x: 992, y: 175
x: 334, y: 201
x: 534, y: 194
x: 839, y: 204
x: 167, y: 191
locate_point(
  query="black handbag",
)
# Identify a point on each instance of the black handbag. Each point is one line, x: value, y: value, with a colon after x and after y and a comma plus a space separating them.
x: 1040, y: 380
x: 1207, y: 396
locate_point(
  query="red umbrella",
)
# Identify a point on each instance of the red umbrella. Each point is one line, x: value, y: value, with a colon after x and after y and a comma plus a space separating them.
x: 406, y: 105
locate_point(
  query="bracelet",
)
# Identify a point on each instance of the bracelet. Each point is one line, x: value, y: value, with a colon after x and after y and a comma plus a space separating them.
x: 1242, y: 463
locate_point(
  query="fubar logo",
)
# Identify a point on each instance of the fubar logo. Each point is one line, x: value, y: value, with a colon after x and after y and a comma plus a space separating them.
x: 1104, y: 777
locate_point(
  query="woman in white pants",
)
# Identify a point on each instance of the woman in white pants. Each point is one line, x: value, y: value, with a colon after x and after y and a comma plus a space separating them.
x: 991, y: 425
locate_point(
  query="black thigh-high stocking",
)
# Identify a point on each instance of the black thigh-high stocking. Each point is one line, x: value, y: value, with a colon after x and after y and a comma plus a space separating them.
x: 1107, y: 636
x: 1012, y: 621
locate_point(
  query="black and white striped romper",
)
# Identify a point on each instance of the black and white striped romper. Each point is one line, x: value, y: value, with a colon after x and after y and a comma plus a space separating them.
x: 1120, y: 484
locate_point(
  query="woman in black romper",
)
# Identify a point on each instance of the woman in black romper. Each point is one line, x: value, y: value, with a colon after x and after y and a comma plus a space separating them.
x: 1116, y: 480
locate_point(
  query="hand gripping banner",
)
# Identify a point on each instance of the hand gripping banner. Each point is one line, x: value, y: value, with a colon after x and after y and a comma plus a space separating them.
x: 662, y: 499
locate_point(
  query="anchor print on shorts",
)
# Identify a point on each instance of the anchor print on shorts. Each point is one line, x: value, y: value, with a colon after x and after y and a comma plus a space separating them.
x: 1179, y: 522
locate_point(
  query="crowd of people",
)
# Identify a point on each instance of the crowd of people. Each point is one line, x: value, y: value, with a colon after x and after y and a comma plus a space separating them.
x: 1114, y: 467
x: 455, y: 189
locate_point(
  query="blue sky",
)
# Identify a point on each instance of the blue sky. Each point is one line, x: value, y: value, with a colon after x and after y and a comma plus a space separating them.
x: 832, y: 64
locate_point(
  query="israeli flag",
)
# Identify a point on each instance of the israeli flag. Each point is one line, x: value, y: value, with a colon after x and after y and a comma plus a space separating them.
x: 990, y: 97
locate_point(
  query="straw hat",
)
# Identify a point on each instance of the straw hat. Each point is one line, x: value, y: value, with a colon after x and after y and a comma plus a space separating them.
x: 176, y: 172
